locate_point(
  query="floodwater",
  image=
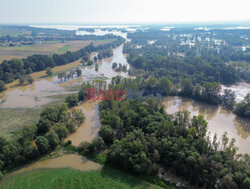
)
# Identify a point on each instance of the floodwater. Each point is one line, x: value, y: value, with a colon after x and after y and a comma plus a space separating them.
x: 89, y: 129
x: 45, y: 90
x: 99, y: 30
x: 241, y: 90
x: 33, y: 95
x: 219, y: 120
x: 105, y: 66
x: 74, y: 161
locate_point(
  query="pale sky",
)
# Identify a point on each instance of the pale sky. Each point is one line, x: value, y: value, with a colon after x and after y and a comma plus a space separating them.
x: 122, y: 11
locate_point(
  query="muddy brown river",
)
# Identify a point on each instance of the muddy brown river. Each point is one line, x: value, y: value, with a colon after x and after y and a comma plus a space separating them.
x: 89, y: 129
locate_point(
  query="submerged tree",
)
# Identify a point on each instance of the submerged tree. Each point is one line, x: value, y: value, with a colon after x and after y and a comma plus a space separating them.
x: 2, y: 86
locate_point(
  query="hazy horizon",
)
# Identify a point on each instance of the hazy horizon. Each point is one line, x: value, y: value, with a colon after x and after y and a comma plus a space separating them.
x: 123, y: 11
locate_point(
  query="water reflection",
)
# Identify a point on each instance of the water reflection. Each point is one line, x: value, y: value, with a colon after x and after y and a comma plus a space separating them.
x: 219, y: 120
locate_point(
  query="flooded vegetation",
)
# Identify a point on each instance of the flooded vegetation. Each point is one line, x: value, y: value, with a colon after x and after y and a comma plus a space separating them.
x: 219, y: 120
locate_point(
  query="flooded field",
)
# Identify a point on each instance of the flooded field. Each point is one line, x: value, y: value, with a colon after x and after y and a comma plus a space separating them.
x: 70, y: 160
x: 39, y: 93
x: 219, y: 120
x: 44, y: 89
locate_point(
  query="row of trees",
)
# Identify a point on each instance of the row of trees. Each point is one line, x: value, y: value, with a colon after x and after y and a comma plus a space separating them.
x: 209, y: 92
x: 196, y: 69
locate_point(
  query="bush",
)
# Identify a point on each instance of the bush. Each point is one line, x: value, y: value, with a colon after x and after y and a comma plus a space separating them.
x: 84, y: 147
x: 49, y: 71
x: 30, y: 79
x: 22, y: 80
x: 71, y: 100
x: 61, y: 130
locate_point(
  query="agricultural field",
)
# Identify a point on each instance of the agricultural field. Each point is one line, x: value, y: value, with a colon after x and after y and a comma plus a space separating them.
x: 44, y: 48
x: 67, y: 178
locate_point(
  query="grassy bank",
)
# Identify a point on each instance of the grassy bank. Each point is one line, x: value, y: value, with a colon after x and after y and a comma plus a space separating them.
x: 69, y: 178
x: 13, y: 119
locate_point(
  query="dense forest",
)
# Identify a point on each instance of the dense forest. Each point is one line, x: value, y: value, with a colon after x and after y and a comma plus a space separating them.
x: 139, y: 136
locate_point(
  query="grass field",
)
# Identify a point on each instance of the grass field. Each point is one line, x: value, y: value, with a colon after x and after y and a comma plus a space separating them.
x: 63, y: 49
x: 67, y: 178
x: 14, y: 119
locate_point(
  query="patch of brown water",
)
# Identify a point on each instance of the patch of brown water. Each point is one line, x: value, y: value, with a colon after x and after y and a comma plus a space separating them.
x: 89, y: 129
x: 69, y: 160
x: 219, y: 120
x: 37, y: 93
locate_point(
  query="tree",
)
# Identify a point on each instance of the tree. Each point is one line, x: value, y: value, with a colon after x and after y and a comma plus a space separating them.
x: 107, y: 134
x: 200, y: 124
x: 30, y: 79
x: 78, y: 115
x: 44, y: 125
x: 243, y: 108
x: 165, y: 85
x: 187, y: 88
x: 211, y: 92
x: 82, y: 95
x: 71, y: 100
x: 49, y: 71
x: 53, y: 139
x: 72, y: 125
x: 42, y: 145
x: 28, y: 133
x: 246, y: 183
x: 2, y: 86
x: 61, y: 130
